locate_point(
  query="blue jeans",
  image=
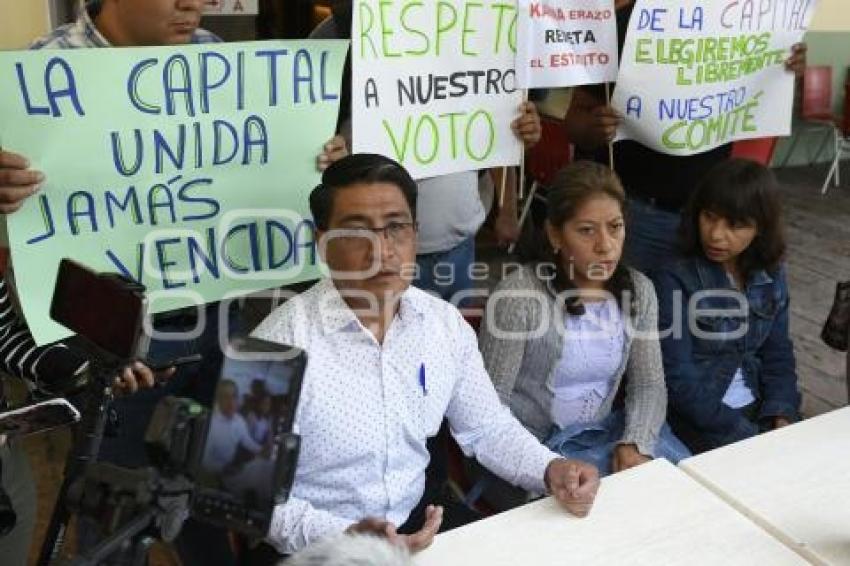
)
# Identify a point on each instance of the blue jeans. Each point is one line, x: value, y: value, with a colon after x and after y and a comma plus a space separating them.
x: 651, y: 235
x: 595, y: 443
x: 446, y: 274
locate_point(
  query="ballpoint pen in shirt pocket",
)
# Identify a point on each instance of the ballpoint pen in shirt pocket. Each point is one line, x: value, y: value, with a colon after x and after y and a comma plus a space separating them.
x: 422, y: 383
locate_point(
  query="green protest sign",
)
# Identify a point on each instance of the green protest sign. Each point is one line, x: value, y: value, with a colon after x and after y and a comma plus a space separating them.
x: 184, y: 168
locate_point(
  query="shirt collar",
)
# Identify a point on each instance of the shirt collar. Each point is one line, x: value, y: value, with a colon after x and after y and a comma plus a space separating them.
x: 336, y: 315
x: 713, y: 274
x: 86, y: 14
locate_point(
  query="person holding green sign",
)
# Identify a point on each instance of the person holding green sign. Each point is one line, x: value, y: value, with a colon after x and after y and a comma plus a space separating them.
x: 658, y: 185
x: 130, y: 23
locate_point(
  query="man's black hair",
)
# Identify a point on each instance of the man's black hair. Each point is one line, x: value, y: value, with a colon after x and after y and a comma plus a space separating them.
x: 360, y: 168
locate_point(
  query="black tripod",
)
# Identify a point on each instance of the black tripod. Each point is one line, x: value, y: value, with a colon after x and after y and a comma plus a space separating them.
x: 86, y: 445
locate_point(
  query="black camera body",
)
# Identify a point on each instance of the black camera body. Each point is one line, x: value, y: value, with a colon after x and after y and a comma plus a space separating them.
x: 108, y: 313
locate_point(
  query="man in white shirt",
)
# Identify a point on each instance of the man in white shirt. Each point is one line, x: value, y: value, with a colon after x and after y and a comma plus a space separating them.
x: 387, y: 362
x: 228, y: 430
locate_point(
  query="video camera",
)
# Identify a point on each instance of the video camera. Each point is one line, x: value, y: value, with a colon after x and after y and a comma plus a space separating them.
x: 227, y: 463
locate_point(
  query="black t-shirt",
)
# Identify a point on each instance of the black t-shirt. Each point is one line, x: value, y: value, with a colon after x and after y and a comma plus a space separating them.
x: 668, y: 179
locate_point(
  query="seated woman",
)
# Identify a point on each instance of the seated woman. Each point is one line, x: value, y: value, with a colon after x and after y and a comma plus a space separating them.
x: 562, y: 338
x: 728, y: 360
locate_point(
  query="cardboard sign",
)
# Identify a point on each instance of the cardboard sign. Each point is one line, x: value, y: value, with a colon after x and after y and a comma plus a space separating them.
x: 566, y: 43
x: 434, y: 85
x: 231, y: 7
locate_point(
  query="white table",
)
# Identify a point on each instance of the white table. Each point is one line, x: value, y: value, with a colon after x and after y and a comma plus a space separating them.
x: 652, y: 515
x: 794, y: 482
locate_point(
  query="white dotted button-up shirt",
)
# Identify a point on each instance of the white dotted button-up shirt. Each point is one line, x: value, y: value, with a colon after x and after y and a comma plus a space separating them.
x: 367, y: 410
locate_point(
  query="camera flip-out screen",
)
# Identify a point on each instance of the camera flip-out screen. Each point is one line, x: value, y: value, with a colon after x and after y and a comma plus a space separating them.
x: 248, y: 462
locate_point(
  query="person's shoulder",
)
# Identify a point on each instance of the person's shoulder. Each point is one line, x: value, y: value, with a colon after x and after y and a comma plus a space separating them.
x: 204, y: 36
x: 434, y: 309
x: 641, y: 283
x: 427, y: 303
x: 327, y: 29
x: 295, y: 313
x: 678, y: 267
x: 527, y: 277
x: 63, y: 37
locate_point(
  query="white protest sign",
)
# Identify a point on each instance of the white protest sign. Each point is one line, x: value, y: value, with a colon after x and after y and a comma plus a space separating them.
x: 434, y: 85
x: 566, y: 43
x: 231, y: 7
x: 695, y: 75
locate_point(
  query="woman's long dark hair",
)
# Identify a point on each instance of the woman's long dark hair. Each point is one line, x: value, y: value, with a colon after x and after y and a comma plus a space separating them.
x: 572, y: 186
x: 742, y: 192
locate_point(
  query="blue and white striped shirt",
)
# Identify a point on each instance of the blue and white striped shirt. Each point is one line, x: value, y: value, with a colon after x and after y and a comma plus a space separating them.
x: 83, y: 33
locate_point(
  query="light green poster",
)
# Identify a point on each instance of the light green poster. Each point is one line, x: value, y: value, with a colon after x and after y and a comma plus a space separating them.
x: 187, y: 168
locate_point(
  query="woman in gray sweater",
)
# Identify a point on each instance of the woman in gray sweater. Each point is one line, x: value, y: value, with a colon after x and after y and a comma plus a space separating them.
x: 571, y: 343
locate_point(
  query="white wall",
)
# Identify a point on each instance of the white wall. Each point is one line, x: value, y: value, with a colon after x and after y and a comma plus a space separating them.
x: 832, y: 15
x: 21, y: 21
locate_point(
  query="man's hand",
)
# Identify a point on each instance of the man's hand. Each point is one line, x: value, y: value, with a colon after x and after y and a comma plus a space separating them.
x: 779, y: 422
x: 137, y: 376
x: 573, y: 483
x: 334, y: 150
x: 627, y: 456
x: 604, y: 121
x: 527, y: 127
x: 506, y: 226
x: 374, y: 527
x: 17, y: 181
x: 415, y: 542
x: 796, y: 63
x: 422, y: 539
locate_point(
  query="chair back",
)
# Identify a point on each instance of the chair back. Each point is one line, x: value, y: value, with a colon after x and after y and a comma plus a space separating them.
x: 759, y: 150
x: 551, y: 153
x: 817, y: 93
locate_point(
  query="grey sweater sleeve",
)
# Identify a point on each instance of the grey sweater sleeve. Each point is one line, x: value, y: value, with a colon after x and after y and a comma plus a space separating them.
x: 646, y: 392
x: 508, y: 316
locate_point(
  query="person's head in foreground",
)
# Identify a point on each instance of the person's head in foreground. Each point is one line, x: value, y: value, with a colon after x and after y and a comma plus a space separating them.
x: 365, y: 215
x: 139, y: 23
x: 351, y: 550
x: 735, y: 219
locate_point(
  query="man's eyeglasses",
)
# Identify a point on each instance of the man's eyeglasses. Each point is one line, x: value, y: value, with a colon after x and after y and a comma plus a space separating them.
x: 394, y: 232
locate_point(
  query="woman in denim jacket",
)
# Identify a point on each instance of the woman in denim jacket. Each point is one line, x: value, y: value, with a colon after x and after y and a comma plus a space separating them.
x: 723, y: 313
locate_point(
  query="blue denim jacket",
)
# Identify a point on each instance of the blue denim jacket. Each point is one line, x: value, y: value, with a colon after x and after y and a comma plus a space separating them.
x: 723, y: 329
